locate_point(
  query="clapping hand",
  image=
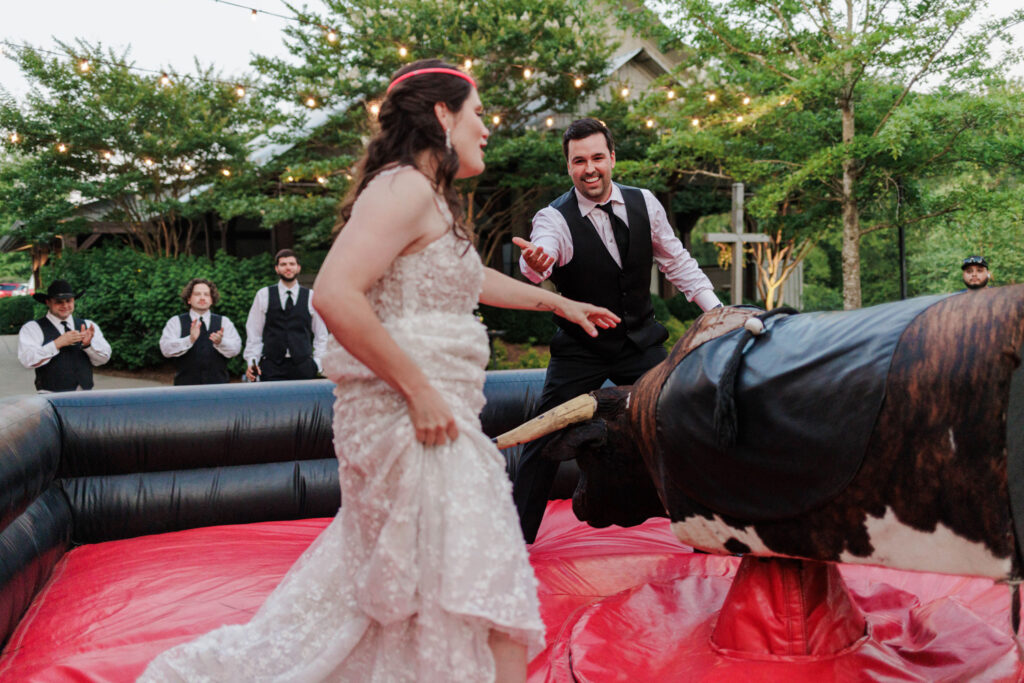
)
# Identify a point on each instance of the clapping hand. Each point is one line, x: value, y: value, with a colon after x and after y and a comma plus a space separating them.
x: 87, y: 335
x: 216, y: 337
x: 193, y: 331
x: 534, y: 256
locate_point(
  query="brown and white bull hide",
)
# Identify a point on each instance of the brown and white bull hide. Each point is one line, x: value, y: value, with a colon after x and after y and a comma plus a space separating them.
x: 931, y: 494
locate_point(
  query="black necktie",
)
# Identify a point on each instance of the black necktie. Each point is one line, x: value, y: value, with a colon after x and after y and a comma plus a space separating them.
x: 619, y: 229
x: 289, y: 304
x: 202, y: 327
x: 67, y: 328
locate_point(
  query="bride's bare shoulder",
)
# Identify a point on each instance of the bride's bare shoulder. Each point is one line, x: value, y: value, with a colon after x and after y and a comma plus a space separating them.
x: 406, y: 182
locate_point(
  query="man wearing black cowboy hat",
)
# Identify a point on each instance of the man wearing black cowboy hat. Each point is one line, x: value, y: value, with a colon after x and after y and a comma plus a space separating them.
x: 61, y: 347
x: 975, y: 271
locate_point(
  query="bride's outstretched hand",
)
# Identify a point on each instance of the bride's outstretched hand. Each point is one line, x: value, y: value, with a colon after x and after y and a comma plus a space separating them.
x: 431, y: 417
x: 588, y: 316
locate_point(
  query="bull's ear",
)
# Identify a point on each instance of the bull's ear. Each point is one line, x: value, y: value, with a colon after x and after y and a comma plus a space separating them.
x: 576, y: 440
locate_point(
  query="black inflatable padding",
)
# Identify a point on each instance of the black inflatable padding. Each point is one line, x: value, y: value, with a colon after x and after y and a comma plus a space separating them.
x: 29, y: 453
x: 29, y: 548
x: 111, y: 507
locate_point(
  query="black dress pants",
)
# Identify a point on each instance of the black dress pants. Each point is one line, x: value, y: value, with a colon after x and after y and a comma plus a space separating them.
x: 573, y: 371
x: 287, y: 368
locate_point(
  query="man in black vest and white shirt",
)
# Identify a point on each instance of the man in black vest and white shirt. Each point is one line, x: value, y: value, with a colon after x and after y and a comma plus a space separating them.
x: 61, y: 347
x: 597, y: 243
x: 284, y: 333
x: 200, y: 339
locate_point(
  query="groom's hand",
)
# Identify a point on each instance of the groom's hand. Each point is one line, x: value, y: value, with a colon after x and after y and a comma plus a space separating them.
x: 534, y: 255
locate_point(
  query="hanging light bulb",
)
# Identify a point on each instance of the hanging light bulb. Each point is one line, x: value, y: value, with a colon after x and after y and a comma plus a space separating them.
x: 671, y: 94
x: 226, y: 172
x: 61, y: 147
x: 107, y: 155
x: 332, y: 36
x: 578, y: 82
x: 348, y: 176
x: 311, y: 102
x: 650, y: 123
x: 147, y: 161
x: 527, y: 72
x: 239, y: 91
x: 712, y: 97
x: 496, y: 119
x: 625, y: 92
x: 14, y: 138
x: 468, y: 64
x: 746, y: 99
x: 165, y: 80
x: 254, y: 15
x: 695, y: 122
x: 739, y: 119
x: 83, y: 65
x: 187, y: 167
x: 322, y: 180
x: 403, y: 52
x: 374, y: 108
x: 549, y: 121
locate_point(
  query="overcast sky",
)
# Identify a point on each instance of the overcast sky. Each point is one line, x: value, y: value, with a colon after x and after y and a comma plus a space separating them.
x: 169, y: 33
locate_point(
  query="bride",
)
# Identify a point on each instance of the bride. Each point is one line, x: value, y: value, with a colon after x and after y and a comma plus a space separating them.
x: 423, y: 575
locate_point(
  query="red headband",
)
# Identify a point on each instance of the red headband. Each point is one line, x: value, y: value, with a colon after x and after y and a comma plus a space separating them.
x: 431, y: 70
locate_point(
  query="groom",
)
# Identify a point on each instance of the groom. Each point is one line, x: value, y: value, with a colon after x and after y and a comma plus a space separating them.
x: 597, y: 243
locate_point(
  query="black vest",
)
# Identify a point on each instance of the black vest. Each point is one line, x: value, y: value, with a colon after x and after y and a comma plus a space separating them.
x: 201, y: 364
x: 593, y: 276
x: 287, y: 333
x: 70, y: 368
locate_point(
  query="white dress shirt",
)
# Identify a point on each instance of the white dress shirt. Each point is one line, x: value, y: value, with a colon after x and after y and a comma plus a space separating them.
x: 551, y: 233
x: 258, y: 317
x: 172, y: 344
x: 32, y: 353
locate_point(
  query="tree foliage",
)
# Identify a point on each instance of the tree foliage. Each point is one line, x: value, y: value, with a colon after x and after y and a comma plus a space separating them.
x: 839, y: 114
x: 96, y: 140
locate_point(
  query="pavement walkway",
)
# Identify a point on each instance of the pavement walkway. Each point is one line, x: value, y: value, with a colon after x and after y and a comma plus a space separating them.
x: 16, y: 380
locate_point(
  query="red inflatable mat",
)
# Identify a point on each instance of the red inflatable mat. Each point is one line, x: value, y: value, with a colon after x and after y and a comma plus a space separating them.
x: 619, y: 605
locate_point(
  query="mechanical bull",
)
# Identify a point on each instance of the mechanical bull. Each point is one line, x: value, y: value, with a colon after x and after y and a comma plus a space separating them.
x: 892, y: 435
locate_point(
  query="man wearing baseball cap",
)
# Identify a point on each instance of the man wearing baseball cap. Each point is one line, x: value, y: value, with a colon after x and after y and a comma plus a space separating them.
x: 975, y: 271
x: 60, y: 347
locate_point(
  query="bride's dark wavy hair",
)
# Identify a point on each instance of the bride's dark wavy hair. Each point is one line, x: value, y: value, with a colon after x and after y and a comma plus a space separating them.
x: 408, y: 126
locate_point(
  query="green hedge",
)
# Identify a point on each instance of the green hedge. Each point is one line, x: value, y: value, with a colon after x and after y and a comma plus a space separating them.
x: 131, y: 295
x: 15, y: 311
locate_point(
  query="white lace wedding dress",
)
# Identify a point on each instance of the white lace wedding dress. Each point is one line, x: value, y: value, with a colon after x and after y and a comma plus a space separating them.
x: 425, y: 556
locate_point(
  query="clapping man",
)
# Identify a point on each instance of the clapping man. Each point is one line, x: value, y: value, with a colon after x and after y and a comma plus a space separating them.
x: 60, y: 347
x: 200, y: 340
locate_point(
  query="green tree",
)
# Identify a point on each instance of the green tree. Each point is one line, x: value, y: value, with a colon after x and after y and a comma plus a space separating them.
x: 527, y: 57
x: 137, y: 149
x: 836, y: 112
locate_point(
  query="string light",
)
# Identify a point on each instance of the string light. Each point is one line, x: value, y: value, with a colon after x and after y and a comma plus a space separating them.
x: 107, y: 155
x: 468, y: 64
x: 226, y: 172
x: 13, y: 137
x: 527, y: 73
x: 187, y: 168
x: 322, y: 180
x: 712, y: 97
x: 311, y: 102
x: 165, y: 80
x: 332, y: 36
x: 348, y: 176
x: 496, y: 119
x: 254, y: 15
x: 671, y: 94
x: 374, y: 108
x: 147, y: 161
x: 61, y: 147
x: 578, y: 82
x: 239, y: 91
x: 290, y: 179
x: 625, y: 92
x: 403, y: 52
x: 695, y: 122
x: 739, y: 119
x: 650, y: 123
x: 746, y: 99
x: 83, y: 65
x: 549, y: 121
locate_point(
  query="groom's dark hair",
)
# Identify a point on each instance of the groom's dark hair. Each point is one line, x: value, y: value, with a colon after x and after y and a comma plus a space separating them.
x: 584, y: 128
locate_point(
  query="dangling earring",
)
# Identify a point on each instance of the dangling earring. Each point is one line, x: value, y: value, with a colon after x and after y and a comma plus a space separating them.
x: 448, y: 139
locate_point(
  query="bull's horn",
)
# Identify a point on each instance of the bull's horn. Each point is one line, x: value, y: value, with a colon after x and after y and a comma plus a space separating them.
x: 578, y: 409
